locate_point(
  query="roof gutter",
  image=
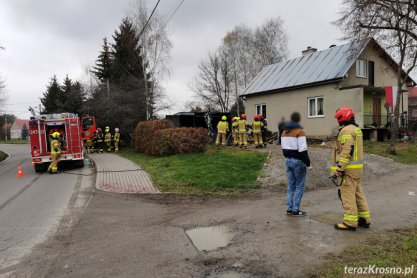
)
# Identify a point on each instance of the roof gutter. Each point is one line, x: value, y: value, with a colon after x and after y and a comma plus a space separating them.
x: 334, y: 80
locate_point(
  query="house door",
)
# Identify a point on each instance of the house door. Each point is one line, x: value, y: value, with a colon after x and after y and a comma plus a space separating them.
x: 376, y: 116
x: 371, y: 73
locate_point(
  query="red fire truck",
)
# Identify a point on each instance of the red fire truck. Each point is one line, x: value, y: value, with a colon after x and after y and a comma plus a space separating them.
x: 72, y: 130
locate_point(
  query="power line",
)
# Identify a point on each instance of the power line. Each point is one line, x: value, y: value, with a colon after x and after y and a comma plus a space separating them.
x: 178, y: 7
x: 146, y: 24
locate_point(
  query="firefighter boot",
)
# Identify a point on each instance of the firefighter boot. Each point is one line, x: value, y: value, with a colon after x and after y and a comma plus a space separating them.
x: 344, y: 227
x: 362, y: 223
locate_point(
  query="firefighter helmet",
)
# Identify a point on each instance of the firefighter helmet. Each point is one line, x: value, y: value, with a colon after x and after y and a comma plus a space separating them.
x: 234, y: 119
x: 224, y: 118
x: 344, y: 114
x: 116, y: 129
x: 56, y: 134
x: 256, y: 117
x: 98, y: 130
x: 243, y: 116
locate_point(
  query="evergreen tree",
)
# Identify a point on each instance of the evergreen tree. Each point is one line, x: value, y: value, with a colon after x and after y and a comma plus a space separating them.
x: 127, y: 61
x: 51, y: 96
x: 64, y: 94
x: 75, y: 98
x: 103, y: 66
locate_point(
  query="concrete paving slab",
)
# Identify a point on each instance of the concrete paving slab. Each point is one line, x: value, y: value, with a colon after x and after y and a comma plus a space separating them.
x: 120, y: 175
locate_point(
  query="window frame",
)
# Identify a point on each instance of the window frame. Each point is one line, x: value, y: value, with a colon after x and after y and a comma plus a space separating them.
x: 365, y: 69
x: 316, y: 107
x: 261, y: 105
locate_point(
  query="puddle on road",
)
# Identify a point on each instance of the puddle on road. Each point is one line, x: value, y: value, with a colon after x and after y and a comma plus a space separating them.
x: 228, y: 274
x: 327, y: 218
x: 210, y: 238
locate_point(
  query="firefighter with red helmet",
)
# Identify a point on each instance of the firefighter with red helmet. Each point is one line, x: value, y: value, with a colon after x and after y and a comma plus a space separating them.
x: 257, y: 127
x: 243, y: 126
x: 222, y: 129
x: 348, y: 166
x: 235, y: 130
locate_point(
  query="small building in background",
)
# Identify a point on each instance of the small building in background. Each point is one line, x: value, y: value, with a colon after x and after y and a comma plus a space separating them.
x: 412, y: 104
x: 17, y: 130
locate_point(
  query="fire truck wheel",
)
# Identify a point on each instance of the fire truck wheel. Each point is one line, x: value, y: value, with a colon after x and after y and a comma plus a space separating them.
x: 40, y: 168
x: 79, y: 163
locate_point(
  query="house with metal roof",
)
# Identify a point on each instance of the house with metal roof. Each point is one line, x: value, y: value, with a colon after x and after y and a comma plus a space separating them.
x: 319, y: 82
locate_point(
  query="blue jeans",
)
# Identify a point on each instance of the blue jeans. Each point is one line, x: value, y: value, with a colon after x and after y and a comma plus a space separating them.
x: 296, y: 172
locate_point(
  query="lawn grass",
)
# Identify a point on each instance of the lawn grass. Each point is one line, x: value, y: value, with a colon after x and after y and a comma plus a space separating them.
x: 406, y: 152
x: 13, y: 142
x: 219, y: 171
x: 393, y: 249
x: 3, y: 156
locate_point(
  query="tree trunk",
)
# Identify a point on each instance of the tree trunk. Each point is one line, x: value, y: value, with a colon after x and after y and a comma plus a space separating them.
x: 395, y: 119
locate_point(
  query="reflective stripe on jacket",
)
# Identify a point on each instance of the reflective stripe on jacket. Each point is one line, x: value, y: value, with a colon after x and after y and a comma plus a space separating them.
x: 235, y: 126
x: 242, y: 125
x: 348, y: 153
x: 116, y: 137
x: 257, y: 126
x: 55, y: 147
x: 222, y: 127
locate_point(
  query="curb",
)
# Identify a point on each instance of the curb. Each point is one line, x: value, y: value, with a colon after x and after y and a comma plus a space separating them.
x: 7, y: 158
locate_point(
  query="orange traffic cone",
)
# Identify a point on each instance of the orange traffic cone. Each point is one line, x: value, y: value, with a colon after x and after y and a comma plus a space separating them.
x: 19, y: 171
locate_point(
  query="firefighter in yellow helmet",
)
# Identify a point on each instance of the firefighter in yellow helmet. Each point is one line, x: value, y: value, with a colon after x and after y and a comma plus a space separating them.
x: 235, y: 130
x: 348, y: 166
x: 107, y: 138
x: 55, y: 152
x: 116, y: 139
x: 243, y: 136
x: 222, y: 129
x: 257, y: 127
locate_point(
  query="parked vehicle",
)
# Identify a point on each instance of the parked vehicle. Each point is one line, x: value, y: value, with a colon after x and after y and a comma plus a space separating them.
x: 72, y: 131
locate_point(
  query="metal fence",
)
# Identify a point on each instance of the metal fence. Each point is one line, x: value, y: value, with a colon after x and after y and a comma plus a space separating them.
x: 375, y: 120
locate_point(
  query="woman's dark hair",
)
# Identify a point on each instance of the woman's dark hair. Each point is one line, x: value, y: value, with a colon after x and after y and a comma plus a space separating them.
x: 295, y: 117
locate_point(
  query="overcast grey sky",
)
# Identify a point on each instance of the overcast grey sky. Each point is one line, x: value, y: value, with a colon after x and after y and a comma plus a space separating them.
x: 46, y: 37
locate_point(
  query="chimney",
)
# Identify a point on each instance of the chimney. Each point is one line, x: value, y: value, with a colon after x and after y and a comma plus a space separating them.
x: 309, y: 50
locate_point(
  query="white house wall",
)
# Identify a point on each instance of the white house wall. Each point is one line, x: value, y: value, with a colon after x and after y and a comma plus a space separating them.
x: 283, y: 104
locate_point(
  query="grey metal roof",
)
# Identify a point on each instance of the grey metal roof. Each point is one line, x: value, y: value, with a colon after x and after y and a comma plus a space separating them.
x: 321, y: 66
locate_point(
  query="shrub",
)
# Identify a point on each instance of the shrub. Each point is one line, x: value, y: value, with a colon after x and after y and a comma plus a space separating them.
x: 181, y: 140
x: 159, y: 139
x: 144, y: 135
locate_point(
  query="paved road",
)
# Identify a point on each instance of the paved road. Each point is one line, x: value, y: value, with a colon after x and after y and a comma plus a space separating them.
x: 32, y: 207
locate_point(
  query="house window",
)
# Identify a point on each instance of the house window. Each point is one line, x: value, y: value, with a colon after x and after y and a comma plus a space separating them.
x: 261, y: 109
x: 361, y: 68
x: 315, y: 107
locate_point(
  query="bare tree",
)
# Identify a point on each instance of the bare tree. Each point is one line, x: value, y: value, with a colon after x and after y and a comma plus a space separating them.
x: 213, y: 82
x: 243, y: 53
x: 3, y: 95
x: 393, y: 23
x: 156, y: 48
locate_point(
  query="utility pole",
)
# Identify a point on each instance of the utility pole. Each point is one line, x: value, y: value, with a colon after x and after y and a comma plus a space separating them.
x: 5, y: 127
x: 40, y: 109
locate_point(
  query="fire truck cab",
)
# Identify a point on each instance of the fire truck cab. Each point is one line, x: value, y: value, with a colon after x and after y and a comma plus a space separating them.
x: 40, y: 129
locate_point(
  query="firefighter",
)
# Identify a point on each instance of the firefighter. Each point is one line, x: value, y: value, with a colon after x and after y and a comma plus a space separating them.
x: 55, y: 153
x: 348, y: 166
x: 100, y: 138
x: 243, y: 136
x: 222, y: 129
x: 235, y: 130
x: 116, y: 139
x: 257, y: 126
x: 95, y: 142
x: 264, y: 129
x: 107, y: 138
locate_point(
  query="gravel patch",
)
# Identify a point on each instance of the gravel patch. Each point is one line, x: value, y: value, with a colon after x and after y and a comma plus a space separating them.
x: 275, y: 179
